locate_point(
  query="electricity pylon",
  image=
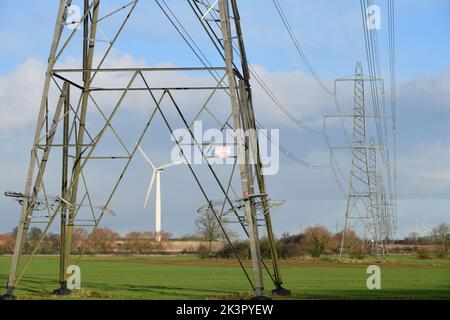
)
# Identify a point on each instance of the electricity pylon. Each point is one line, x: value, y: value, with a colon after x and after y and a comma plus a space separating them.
x: 80, y: 142
x: 364, y: 191
x: 375, y: 226
x: 385, y: 216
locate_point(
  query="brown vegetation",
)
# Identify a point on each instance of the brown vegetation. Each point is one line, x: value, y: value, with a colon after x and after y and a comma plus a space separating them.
x: 313, y: 241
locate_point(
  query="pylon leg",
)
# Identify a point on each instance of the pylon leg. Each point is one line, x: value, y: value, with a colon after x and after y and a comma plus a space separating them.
x: 63, y: 290
x: 29, y: 194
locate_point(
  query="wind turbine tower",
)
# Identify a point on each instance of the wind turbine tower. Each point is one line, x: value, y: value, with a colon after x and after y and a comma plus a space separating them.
x: 156, y: 177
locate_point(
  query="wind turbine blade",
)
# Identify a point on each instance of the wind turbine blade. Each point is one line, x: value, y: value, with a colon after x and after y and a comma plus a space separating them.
x: 146, y: 157
x: 150, y: 189
x: 173, y: 164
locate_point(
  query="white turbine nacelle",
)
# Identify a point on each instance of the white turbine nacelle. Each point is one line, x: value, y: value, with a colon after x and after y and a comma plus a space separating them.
x: 157, y: 176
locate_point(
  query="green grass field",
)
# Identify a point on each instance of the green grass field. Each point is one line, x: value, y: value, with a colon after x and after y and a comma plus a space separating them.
x: 171, y: 277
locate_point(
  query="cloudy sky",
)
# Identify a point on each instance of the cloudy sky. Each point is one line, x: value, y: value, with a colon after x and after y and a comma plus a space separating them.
x: 330, y: 32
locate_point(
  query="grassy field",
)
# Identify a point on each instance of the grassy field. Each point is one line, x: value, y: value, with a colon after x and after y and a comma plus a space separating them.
x: 172, y: 277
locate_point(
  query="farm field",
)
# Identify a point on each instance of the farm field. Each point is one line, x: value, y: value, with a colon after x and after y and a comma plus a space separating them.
x: 187, y: 277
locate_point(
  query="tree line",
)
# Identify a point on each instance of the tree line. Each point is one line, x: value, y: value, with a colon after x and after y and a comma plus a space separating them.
x: 101, y: 240
x: 314, y: 241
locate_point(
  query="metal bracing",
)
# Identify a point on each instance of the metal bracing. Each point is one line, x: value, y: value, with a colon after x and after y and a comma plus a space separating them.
x: 65, y: 211
x: 27, y: 206
x: 375, y: 223
x: 90, y: 30
x: 366, y: 207
x: 210, y: 16
x: 243, y: 151
x: 72, y: 135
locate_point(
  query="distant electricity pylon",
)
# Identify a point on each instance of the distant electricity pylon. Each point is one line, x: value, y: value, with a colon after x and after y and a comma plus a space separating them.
x: 83, y: 122
x: 367, y: 207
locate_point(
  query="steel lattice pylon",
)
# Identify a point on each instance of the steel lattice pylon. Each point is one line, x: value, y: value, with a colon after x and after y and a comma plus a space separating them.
x: 70, y: 134
x: 366, y: 198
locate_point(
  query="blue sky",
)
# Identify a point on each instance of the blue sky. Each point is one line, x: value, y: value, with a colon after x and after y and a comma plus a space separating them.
x: 422, y: 27
x: 423, y: 73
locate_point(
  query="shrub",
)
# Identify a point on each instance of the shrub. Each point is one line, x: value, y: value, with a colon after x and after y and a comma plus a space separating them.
x: 288, y: 250
x: 353, y: 245
x: 226, y: 252
x: 284, y: 250
x: 242, y: 249
x: 203, y: 252
x: 266, y: 253
x: 441, y: 254
x: 357, y: 251
x: 423, y: 254
x: 316, y: 240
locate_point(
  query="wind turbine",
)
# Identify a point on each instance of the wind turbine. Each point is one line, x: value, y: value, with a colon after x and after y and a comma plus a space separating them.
x: 421, y: 229
x: 157, y: 176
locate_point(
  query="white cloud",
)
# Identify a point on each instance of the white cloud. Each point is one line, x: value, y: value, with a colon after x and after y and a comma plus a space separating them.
x: 21, y: 89
x: 298, y: 92
x: 425, y: 172
x: 20, y: 92
x: 431, y: 92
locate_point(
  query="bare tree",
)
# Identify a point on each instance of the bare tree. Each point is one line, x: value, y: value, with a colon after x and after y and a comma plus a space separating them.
x: 79, y: 235
x: 441, y: 237
x: 413, y: 237
x: 209, y: 227
x: 102, y: 240
x: 7, y: 241
x: 134, y: 242
x: 35, y: 234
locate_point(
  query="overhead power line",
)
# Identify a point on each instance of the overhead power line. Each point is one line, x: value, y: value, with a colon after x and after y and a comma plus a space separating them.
x: 201, y: 56
x: 299, y: 47
x: 347, y: 31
